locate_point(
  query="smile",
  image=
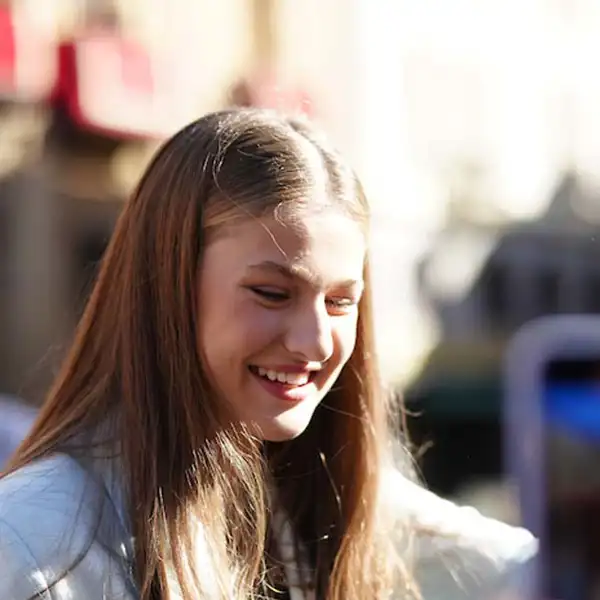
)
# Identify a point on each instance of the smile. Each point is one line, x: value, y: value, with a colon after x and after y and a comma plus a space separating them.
x: 285, y: 385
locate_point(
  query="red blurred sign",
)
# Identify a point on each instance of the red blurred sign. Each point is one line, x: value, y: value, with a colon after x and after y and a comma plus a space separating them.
x: 267, y: 92
x: 28, y: 60
x: 115, y: 86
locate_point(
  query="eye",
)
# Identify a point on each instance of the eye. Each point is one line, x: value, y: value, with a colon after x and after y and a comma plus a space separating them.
x: 270, y: 294
x: 342, y: 305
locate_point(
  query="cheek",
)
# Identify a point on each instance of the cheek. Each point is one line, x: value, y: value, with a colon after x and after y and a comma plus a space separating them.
x: 256, y: 326
x: 234, y: 331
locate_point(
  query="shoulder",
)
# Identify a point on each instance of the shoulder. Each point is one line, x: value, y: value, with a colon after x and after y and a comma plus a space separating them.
x: 51, y: 513
x: 17, y: 418
x: 460, y: 553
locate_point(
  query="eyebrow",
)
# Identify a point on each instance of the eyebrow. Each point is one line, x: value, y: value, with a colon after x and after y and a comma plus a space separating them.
x: 291, y: 272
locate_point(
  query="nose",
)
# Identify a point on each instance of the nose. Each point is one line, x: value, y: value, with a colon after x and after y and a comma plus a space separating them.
x: 309, y: 333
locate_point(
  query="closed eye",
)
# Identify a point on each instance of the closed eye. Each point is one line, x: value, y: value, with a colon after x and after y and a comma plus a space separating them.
x: 270, y: 294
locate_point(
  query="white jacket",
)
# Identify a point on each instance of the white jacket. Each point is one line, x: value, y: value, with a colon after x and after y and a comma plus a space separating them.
x: 64, y: 536
x: 461, y: 554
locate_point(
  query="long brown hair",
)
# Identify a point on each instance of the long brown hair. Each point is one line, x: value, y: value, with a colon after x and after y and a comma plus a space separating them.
x: 135, y: 355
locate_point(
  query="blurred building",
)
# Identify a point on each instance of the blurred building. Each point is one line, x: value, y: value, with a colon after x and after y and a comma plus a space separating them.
x: 517, y: 273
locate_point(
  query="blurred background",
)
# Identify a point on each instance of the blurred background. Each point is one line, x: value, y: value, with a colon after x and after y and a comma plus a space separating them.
x: 473, y: 124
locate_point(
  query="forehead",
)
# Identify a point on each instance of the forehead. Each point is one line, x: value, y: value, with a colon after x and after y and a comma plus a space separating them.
x: 324, y: 248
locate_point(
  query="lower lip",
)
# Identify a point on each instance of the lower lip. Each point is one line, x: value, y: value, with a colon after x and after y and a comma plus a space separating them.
x: 285, y: 392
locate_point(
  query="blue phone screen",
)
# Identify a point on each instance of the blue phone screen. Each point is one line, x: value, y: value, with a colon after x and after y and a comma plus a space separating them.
x: 571, y: 540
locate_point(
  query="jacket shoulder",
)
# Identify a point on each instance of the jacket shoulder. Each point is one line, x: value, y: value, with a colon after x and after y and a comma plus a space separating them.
x: 460, y: 553
x: 52, y: 519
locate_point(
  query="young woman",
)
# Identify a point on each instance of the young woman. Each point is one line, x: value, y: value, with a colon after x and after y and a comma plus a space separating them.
x: 218, y: 429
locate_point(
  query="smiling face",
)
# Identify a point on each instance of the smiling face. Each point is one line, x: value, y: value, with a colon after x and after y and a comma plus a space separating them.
x: 278, y: 309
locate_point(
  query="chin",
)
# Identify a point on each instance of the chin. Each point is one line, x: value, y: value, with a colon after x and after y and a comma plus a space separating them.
x: 282, y: 428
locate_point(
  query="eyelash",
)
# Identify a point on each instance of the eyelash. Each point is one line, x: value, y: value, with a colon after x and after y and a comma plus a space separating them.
x: 342, y: 302
x: 271, y: 296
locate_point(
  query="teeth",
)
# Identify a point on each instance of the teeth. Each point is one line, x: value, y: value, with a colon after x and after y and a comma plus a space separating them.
x: 288, y: 378
x: 296, y: 378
